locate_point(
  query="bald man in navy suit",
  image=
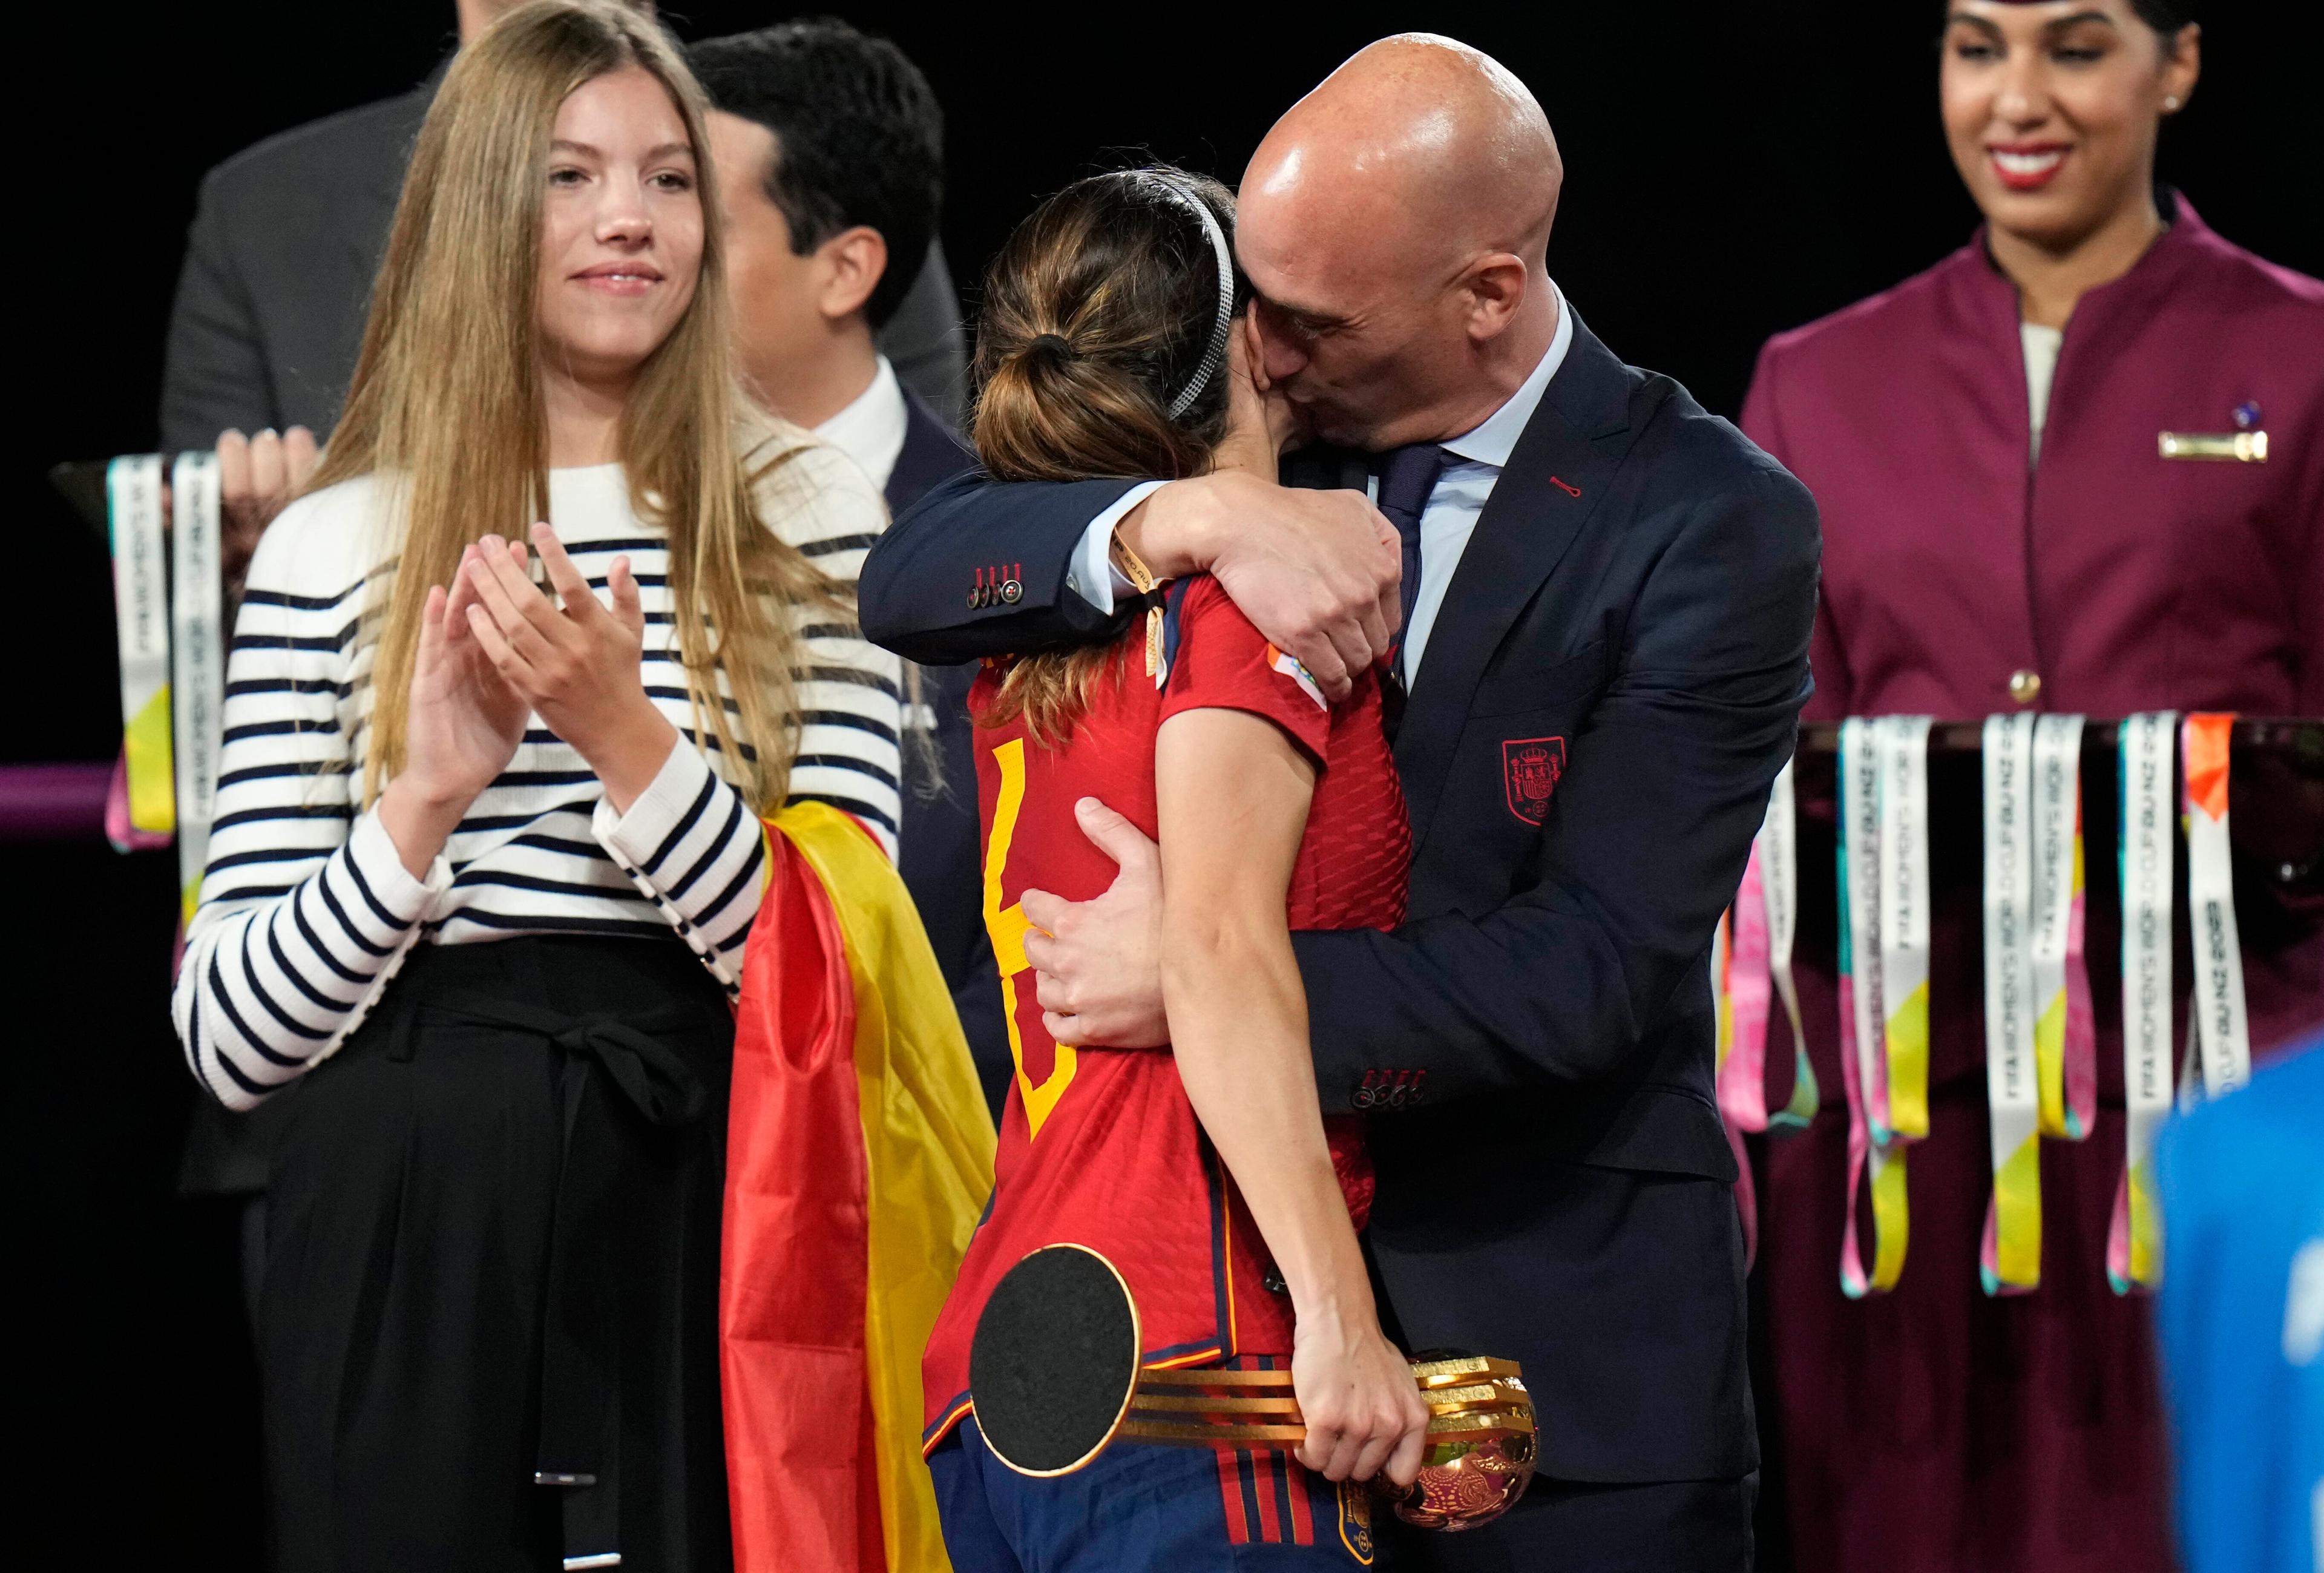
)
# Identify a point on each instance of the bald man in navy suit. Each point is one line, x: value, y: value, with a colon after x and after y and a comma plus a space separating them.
x: 1595, y: 600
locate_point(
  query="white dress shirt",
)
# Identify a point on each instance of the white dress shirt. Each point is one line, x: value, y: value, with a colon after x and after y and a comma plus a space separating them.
x: 871, y: 430
x: 1478, y: 458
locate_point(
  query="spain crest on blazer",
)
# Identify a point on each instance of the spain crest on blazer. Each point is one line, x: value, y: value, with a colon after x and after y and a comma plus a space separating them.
x: 1530, y: 767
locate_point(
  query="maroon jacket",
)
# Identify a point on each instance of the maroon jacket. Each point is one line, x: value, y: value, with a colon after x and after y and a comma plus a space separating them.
x: 2127, y: 580
x: 1936, y: 1429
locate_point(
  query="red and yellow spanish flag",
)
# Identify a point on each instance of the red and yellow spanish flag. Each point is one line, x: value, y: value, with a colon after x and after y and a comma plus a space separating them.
x: 860, y: 1156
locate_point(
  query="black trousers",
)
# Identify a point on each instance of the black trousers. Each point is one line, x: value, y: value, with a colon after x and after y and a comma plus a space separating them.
x: 488, y: 1331
x: 1685, y: 1526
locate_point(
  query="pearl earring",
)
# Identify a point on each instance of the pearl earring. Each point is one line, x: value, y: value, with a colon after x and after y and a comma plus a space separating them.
x: 2170, y: 104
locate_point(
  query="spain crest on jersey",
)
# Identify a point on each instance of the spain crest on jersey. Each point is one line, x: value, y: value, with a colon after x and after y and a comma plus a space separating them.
x: 1356, y: 1520
x: 1530, y: 768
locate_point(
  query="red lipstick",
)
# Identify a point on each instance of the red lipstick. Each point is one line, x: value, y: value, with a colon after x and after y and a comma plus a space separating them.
x: 2026, y: 166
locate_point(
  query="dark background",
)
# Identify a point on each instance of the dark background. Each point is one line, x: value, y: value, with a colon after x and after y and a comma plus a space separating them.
x: 1732, y: 170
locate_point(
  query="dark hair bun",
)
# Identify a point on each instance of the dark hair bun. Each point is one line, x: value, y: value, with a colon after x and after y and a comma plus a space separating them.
x: 1100, y: 307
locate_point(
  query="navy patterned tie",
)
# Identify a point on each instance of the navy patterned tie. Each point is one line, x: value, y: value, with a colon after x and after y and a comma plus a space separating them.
x: 1406, y: 475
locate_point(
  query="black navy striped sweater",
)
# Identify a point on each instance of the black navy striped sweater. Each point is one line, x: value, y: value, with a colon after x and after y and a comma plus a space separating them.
x: 306, y: 910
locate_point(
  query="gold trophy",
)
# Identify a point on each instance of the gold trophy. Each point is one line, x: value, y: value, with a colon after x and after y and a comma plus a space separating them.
x: 1055, y: 1369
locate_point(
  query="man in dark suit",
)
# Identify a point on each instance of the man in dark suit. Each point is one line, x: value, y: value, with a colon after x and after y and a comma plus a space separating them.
x: 830, y: 153
x: 1605, y: 597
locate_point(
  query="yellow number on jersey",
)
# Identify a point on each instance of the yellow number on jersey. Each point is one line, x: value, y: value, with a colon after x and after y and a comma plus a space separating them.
x: 1008, y: 930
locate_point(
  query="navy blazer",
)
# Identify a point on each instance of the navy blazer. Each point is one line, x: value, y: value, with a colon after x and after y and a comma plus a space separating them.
x: 1613, y: 682
x: 940, y: 858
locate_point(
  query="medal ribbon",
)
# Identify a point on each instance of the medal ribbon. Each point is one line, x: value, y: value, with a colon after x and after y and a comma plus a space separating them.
x: 1903, y: 742
x: 2065, y: 1042
x: 1862, y: 1033
x: 142, y: 619
x: 2219, y: 1022
x: 2009, y: 1259
x: 1739, y: 955
x: 1726, y: 1062
x: 198, y: 659
x: 1752, y: 958
x: 1778, y: 850
x: 2135, y: 1237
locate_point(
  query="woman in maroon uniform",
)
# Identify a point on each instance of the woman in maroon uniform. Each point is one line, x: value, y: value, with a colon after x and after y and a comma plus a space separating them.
x: 1204, y: 1174
x: 2005, y: 528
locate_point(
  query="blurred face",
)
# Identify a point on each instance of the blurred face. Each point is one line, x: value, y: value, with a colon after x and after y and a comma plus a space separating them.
x: 1358, y: 326
x: 620, y: 229
x: 2050, y: 110
x: 777, y: 292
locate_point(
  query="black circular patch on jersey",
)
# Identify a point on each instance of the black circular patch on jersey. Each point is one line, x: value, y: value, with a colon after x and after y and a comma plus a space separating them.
x: 1054, y: 1361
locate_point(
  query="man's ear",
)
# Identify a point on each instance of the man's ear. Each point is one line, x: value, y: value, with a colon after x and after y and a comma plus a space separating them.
x: 852, y: 264
x: 1496, y: 287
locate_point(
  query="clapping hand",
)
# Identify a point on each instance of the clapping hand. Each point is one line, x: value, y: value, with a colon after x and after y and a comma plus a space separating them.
x: 575, y: 665
x: 465, y: 725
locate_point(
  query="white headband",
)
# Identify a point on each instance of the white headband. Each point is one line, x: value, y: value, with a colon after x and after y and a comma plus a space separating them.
x: 1215, y: 357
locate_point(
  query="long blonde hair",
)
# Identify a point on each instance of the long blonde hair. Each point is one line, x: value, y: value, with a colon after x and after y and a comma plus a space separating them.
x: 1096, y: 312
x: 446, y: 406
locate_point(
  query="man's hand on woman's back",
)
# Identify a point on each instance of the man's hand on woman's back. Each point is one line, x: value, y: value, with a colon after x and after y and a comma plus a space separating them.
x: 1097, y: 963
x: 1316, y: 571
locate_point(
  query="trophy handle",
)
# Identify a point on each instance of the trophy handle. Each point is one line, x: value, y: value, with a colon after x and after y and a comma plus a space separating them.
x: 1213, y: 1408
x: 1055, y: 1373
x: 1470, y: 1398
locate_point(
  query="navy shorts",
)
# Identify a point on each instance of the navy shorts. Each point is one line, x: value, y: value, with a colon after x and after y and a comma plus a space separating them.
x: 1145, y: 1509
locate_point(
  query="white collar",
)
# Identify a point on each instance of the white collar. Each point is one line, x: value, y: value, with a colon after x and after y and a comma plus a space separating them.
x: 1492, y: 439
x: 871, y: 430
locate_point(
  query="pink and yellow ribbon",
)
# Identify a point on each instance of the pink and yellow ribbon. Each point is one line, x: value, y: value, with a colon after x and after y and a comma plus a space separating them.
x: 1873, y: 1144
x: 1753, y: 969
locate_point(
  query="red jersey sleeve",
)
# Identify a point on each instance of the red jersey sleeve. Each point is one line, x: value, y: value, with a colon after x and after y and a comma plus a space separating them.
x: 1223, y: 663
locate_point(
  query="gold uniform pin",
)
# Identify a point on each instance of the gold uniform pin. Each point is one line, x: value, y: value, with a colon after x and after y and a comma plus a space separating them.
x: 2246, y: 444
x: 2230, y: 446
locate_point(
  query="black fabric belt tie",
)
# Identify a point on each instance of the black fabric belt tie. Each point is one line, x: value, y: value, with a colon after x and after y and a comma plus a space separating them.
x: 582, y: 1331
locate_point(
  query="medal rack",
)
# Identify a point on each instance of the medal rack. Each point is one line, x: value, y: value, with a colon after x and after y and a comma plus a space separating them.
x: 2299, y: 738
x: 2276, y: 784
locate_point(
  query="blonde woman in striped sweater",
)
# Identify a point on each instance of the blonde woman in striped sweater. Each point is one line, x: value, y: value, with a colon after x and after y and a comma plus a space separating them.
x: 487, y: 845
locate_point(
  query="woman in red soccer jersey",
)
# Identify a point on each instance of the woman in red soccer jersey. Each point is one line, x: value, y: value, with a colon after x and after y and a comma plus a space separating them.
x: 1110, y: 346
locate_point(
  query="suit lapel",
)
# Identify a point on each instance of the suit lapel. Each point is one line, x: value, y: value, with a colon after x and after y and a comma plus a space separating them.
x: 1556, y: 478
x: 931, y: 453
